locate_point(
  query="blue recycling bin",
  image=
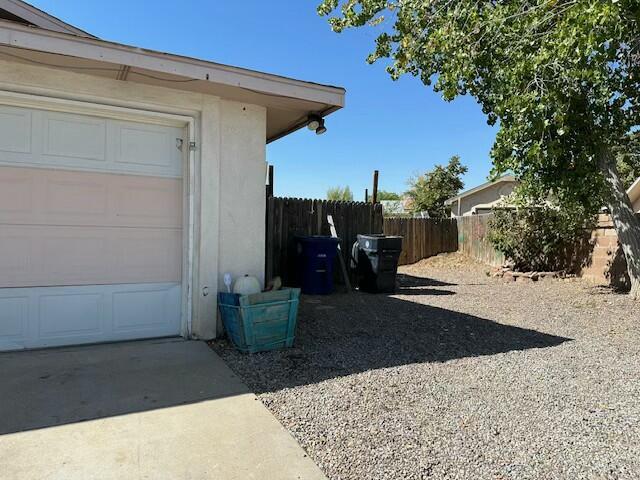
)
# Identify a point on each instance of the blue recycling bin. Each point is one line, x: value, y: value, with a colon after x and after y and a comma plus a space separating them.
x: 316, y: 257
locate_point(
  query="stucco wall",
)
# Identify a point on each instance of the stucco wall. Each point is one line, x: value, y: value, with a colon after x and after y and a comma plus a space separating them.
x: 229, y: 171
x: 242, y: 191
x: 634, y: 196
x: 487, y: 195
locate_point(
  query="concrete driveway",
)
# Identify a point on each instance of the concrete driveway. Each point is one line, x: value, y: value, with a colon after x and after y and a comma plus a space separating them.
x: 163, y: 409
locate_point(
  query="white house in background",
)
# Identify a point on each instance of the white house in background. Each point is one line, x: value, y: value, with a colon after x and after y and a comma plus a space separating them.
x: 397, y: 207
x: 634, y: 195
x: 130, y: 181
x: 482, y: 198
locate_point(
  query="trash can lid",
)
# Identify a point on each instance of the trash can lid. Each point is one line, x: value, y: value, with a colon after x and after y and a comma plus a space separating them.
x: 317, y: 239
x: 377, y: 236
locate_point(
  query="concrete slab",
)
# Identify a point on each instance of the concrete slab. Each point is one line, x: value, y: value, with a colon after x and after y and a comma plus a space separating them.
x: 165, y: 409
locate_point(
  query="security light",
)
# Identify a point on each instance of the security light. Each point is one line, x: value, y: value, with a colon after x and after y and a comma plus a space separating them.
x: 321, y: 129
x: 314, y: 122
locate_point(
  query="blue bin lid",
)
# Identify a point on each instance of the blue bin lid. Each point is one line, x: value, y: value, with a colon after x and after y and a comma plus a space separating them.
x: 317, y: 239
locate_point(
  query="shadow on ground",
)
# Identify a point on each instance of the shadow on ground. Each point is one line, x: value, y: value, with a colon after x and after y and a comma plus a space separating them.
x: 344, y: 334
x: 410, y: 281
x: 44, y: 388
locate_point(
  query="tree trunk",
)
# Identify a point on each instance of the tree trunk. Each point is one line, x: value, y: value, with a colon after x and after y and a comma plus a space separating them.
x: 626, y: 223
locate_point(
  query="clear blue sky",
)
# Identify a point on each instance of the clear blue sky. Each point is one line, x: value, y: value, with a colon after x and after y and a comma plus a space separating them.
x: 399, y: 128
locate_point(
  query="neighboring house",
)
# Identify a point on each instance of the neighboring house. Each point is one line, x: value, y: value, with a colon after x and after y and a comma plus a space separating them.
x: 393, y: 207
x: 401, y: 208
x: 482, y: 198
x: 634, y: 195
x: 397, y: 207
x: 130, y: 182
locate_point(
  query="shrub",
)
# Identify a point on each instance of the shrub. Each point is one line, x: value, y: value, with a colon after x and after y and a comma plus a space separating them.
x: 543, y: 238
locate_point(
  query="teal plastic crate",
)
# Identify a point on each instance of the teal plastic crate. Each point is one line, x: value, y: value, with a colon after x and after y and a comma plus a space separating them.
x: 260, y: 322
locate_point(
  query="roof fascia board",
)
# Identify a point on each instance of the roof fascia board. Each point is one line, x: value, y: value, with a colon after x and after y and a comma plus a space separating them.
x: 15, y: 35
x: 39, y: 18
x: 505, y: 178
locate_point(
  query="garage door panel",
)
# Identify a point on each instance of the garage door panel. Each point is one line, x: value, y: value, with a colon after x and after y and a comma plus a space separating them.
x: 149, y: 202
x: 147, y: 145
x: 74, y: 137
x: 38, y: 138
x: 17, y: 255
x: 37, y: 196
x: 148, y: 255
x: 145, y: 308
x: 14, y: 316
x: 68, y: 315
x: 53, y: 316
x: 41, y: 256
x: 16, y: 193
x: 15, y: 130
x: 71, y: 256
x: 70, y: 197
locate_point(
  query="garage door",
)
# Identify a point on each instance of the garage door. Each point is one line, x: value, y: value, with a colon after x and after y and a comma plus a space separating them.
x: 90, y: 229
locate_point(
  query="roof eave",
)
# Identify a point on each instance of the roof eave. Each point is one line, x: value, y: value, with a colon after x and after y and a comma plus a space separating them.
x: 40, y: 18
x: 29, y: 38
x: 504, y: 178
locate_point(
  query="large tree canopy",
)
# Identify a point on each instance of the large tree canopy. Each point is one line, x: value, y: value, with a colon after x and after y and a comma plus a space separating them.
x: 560, y: 77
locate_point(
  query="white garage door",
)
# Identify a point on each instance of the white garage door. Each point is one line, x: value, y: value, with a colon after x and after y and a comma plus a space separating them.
x: 90, y: 229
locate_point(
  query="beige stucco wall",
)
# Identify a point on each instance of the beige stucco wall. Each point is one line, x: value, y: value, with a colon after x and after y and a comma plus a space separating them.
x: 634, y: 196
x: 484, y: 196
x: 229, y: 197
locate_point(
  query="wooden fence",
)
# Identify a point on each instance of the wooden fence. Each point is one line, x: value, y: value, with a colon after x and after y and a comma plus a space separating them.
x: 288, y: 217
x: 423, y: 237
x: 474, y: 242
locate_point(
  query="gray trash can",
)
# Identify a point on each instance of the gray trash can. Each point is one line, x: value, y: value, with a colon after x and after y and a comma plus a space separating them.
x: 378, y: 256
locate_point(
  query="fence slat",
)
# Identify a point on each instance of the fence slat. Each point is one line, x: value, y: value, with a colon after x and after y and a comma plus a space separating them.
x: 474, y: 241
x: 288, y: 217
x: 423, y: 237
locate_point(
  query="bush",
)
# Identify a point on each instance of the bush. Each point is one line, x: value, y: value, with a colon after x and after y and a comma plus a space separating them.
x: 543, y: 238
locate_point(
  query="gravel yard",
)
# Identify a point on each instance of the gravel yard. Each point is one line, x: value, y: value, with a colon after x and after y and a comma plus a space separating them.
x: 460, y: 376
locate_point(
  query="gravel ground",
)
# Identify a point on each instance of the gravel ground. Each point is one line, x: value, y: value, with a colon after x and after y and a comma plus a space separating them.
x: 460, y: 376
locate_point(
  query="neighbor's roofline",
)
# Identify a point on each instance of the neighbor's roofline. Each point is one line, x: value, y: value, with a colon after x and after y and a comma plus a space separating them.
x: 635, y: 185
x: 504, y: 178
x: 40, y: 18
x: 48, y: 41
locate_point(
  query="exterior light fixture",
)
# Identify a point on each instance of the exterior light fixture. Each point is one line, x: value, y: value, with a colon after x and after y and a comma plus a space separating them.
x: 321, y: 129
x: 316, y: 122
x: 313, y: 122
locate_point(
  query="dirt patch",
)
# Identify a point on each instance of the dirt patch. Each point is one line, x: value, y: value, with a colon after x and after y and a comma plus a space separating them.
x: 445, y: 261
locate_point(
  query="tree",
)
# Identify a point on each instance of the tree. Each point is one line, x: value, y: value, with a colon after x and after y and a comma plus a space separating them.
x: 428, y: 192
x: 629, y: 161
x: 340, y: 194
x: 384, y: 195
x: 560, y: 77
